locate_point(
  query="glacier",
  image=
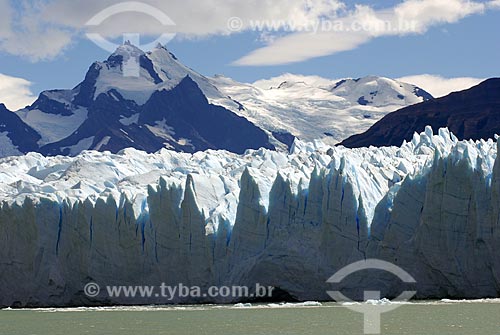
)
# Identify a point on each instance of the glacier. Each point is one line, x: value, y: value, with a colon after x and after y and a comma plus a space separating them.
x: 288, y: 220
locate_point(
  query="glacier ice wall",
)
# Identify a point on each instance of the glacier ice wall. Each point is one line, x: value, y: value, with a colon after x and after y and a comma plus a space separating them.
x: 290, y: 221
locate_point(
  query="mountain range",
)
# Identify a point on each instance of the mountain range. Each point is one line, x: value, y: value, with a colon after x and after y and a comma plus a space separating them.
x: 172, y: 106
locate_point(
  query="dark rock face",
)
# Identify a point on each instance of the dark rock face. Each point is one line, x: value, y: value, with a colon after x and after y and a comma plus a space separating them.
x: 51, y: 106
x: 421, y: 93
x: 187, y: 111
x: 470, y: 114
x: 180, y: 119
x: 21, y: 135
x: 363, y: 102
x: 87, y: 87
x: 104, y: 121
x: 147, y: 64
x: 285, y: 138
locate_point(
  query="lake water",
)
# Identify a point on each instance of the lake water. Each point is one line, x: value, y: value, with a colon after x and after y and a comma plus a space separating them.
x: 426, y: 318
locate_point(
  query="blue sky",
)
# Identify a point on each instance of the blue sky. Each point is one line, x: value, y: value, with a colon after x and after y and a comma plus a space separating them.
x: 462, y: 41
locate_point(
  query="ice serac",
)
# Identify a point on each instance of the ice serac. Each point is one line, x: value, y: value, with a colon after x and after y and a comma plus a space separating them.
x: 288, y: 220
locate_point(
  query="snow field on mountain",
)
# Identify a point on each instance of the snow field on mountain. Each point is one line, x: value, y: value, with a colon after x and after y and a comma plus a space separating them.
x: 312, y: 108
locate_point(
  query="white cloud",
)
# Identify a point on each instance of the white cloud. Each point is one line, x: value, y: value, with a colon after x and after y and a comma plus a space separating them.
x: 193, y: 18
x: 5, y: 18
x: 360, y: 26
x: 23, y: 33
x: 37, y: 46
x: 42, y: 29
x: 301, y: 47
x: 426, y: 13
x: 439, y: 86
x: 494, y: 4
x: 15, y: 92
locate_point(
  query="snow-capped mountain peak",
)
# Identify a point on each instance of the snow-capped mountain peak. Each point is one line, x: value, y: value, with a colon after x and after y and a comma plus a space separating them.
x: 127, y: 50
x: 165, y: 104
x: 166, y: 64
x: 129, y: 72
x: 379, y: 91
x: 136, y: 75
